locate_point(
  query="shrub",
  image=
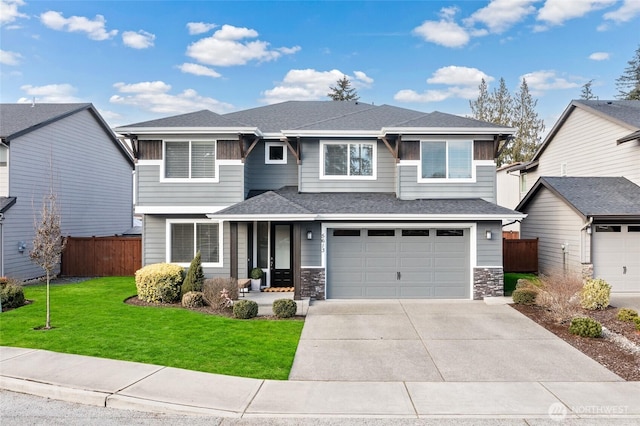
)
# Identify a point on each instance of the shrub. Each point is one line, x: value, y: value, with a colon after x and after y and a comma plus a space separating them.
x: 193, y: 299
x: 559, y: 294
x: 527, y: 283
x: 636, y: 320
x: 195, y: 277
x: 256, y: 273
x: 524, y: 296
x: 595, y: 294
x: 284, y: 308
x: 213, y: 295
x: 159, y: 283
x: 11, y: 293
x: 585, y: 327
x: 627, y: 314
x: 245, y: 309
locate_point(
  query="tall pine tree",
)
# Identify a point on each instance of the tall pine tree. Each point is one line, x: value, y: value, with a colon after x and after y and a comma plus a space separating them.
x: 480, y: 108
x: 628, y: 83
x: 343, y: 91
x: 529, y: 128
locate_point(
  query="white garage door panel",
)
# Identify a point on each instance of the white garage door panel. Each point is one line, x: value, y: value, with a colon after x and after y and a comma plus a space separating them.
x: 398, y: 266
x: 616, y: 256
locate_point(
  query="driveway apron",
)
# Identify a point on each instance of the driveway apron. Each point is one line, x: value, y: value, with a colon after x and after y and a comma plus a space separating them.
x: 434, y: 341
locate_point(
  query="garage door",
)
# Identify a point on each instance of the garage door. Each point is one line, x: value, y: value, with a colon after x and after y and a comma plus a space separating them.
x: 616, y: 254
x: 398, y: 263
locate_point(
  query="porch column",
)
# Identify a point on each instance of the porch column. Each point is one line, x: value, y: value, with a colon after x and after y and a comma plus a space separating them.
x: 297, y: 249
x: 233, y: 249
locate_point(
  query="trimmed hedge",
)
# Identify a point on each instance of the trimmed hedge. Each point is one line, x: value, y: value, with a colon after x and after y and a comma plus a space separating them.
x: 595, y: 294
x: 159, y: 283
x: 193, y: 299
x: 585, y: 327
x: 284, y: 308
x: 245, y: 309
x: 524, y: 296
x: 11, y: 293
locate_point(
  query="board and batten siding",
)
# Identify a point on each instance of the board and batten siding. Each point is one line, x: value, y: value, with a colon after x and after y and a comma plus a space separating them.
x: 258, y: 175
x: 587, y: 144
x: 152, y: 192
x: 489, y: 252
x: 89, y: 174
x: 310, y: 180
x: 410, y: 189
x: 555, y: 224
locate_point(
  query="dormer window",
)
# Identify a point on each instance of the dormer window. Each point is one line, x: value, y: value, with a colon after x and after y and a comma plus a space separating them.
x: 189, y: 160
x: 275, y: 153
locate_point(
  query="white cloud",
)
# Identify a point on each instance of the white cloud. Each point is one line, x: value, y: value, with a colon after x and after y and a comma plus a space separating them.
x: 138, y: 40
x: 500, y: 15
x: 9, y: 58
x: 444, y: 32
x: 545, y: 80
x: 628, y: 11
x: 599, y: 56
x: 95, y: 28
x: 9, y: 11
x: 197, y: 69
x: 462, y: 81
x: 154, y: 96
x: 556, y: 12
x: 51, y: 93
x: 309, y: 84
x: 200, y: 27
x: 227, y: 47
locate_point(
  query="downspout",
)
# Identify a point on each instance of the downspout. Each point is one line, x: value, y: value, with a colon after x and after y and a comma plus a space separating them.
x: 585, y: 232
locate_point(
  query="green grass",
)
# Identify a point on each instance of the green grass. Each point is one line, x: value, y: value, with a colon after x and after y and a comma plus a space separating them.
x: 90, y: 318
x: 511, y: 279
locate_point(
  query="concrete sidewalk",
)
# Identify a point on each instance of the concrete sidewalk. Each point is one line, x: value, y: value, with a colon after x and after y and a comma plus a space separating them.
x: 151, y: 388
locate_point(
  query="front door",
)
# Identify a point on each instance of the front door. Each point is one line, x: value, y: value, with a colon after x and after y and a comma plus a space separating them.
x: 281, y: 273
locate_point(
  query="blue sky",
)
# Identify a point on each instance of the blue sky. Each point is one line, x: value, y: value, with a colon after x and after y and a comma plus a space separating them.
x: 138, y: 60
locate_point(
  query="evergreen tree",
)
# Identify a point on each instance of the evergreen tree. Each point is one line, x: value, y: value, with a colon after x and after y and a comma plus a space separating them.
x: 343, y: 91
x: 501, y: 105
x: 194, y: 280
x: 528, y: 128
x: 480, y: 108
x: 628, y: 83
x: 586, y: 93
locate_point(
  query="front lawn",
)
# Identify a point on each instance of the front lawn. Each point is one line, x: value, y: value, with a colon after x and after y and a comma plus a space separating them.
x: 511, y: 279
x: 91, y: 318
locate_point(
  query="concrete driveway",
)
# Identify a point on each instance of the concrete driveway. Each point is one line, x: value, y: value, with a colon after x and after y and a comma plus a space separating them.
x: 434, y: 341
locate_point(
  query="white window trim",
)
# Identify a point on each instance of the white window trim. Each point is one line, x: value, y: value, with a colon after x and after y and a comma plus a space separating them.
x: 163, y: 163
x: 217, y: 264
x: 349, y: 177
x: 267, y: 145
x: 474, y: 164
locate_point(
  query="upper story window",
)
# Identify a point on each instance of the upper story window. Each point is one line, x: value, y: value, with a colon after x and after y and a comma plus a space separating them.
x: 190, y: 160
x: 446, y: 160
x: 275, y: 153
x: 348, y: 160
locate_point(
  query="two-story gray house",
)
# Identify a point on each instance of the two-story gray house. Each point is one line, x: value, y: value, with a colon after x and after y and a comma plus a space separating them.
x: 68, y: 149
x: 335, y: 199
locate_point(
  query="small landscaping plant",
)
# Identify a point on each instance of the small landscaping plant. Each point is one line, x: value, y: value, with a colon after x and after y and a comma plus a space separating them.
x: 524, y: 296
x: 159, y: 283
x: 256, y: 273
x: 585, y: 327
x: 11, y: 293
x: 595, y: 294
x: 218, y: 290
x: 195, y: 276
x: 245, y: 309
x: 559, y: 294
x: 284, y: 308
x: 193, y: 299
x: 636, y: 320
x: 627, y: 314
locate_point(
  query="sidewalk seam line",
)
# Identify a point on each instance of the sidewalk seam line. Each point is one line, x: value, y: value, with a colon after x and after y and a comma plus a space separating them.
x: 424, y: 345
x: 140, y: 379
x: 415, y: 410
x: 252, y: 398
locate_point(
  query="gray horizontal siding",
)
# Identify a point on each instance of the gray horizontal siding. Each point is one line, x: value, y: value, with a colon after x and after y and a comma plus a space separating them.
x: 152, y: 192
x: 483, y: 187
x: 310, y: 173
x: 489, y: 252
x: 311, y: 250
x: 259, y: 175
x: 89, y: 175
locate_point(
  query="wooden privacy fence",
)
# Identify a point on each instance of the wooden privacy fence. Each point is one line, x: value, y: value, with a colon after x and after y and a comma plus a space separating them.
x: 520, y: 255
x: 101, y: 256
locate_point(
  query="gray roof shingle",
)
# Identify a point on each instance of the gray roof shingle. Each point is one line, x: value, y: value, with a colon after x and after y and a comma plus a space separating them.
x: 202, y: 118
x: 592, y: 196
x: 19, y: 118
x: 625, y: 111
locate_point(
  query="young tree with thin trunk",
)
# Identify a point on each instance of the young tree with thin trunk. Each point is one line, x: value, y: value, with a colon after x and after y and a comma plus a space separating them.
x: 628, y: 83
x: 48, y: 244
x: 343, y: 91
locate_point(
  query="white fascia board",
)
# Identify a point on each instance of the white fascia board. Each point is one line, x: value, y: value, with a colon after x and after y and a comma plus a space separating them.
x: 423, y: 217
x: 188, y: 130
x: 178, y: 209
x: 332, y: 133
x: 264, y: 217
x: 448, y: 130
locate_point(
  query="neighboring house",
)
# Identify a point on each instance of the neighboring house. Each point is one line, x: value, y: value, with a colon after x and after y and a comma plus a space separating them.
x: 509, y: 192
x: 67, y: 148
x: 598, y: 233
x: 335, y: 199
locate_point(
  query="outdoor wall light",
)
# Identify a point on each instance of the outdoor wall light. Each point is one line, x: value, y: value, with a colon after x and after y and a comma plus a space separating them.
x: 22, y: 246
x: 589, y: 229
x: 487, y: 234
x: 309, y: 235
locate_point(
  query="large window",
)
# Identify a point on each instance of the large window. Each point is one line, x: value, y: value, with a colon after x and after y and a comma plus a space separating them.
x: 342, y: 159
x: 446, y: 159
x: 190, y: 160
x: 185, y: 238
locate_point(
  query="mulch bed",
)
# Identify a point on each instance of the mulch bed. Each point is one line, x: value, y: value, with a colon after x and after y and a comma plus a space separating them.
x: 611, y: 355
